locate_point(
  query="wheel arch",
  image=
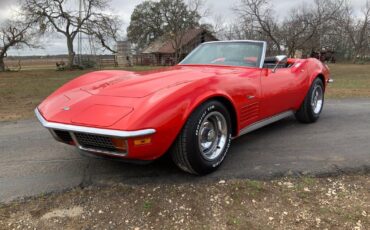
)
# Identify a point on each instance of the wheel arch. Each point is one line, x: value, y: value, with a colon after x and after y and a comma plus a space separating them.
x: 232, y: 111
x: 227, y: 102
x: 321, y: 77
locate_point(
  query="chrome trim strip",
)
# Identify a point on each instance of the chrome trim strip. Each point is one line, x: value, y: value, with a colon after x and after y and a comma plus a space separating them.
x: 101, y: 152
x: 227, y: 41
x: 265, y: 122
x: 263, y: 57
x: 89, y: 130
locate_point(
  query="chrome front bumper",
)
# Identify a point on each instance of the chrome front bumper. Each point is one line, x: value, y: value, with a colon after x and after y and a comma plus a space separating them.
x: 89, y: 130
x: 100, y: 135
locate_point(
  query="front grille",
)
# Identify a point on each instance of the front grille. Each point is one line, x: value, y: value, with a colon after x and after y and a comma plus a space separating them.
x: 95, y: 142
x: 63, y: 135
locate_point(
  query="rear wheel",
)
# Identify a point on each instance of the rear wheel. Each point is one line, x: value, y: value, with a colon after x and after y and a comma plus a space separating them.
x: 204, y: 141
x: 313, y: 103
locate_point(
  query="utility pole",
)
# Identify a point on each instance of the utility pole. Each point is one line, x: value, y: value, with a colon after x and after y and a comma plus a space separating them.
x: 79, y: 44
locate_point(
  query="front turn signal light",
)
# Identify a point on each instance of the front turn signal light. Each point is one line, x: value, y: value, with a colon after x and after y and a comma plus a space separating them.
x: 143, y: 141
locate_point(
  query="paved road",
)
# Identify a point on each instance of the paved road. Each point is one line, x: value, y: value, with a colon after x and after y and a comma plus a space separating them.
x: 31, y: 162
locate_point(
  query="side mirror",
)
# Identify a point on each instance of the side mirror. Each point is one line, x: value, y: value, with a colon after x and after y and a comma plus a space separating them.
x: 279, y: 60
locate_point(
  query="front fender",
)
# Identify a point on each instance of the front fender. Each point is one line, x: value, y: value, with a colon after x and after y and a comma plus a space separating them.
x: 167, y: 112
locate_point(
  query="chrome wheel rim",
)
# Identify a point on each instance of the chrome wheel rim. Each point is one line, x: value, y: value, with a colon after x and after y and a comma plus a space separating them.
x: 212, y: 136
x: 317, y: 99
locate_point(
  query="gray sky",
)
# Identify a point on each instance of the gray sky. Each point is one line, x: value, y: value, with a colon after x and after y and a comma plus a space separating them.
x: 124, y: 8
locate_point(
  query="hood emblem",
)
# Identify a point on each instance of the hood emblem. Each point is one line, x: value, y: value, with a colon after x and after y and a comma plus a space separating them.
x: 66, y: 108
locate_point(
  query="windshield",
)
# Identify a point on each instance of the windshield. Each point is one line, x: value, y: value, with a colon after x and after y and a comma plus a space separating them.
x: 247, y: 54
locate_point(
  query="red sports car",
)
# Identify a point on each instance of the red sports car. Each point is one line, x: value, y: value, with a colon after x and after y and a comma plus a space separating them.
x: 221, y: 91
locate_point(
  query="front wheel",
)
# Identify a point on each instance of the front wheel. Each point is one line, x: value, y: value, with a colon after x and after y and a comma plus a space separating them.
x: 204, y: 141
x: 313, y: 103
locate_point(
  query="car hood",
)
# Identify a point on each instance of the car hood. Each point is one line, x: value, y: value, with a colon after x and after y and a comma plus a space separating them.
x: 142, y: 84
x: 101, y: 99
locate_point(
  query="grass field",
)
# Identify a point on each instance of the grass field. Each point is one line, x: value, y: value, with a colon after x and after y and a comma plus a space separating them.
x: 351, y: 81
x: 21, y: 92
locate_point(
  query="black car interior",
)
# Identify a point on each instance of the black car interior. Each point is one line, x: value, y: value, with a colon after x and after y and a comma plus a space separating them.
x: 271, y: 62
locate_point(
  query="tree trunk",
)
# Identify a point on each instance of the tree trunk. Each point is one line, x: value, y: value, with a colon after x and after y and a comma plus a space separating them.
x: 2, y: 64
x: 177, y: 56
x: 71, y: 53
x: 291, y: 52
x: 354, y: 57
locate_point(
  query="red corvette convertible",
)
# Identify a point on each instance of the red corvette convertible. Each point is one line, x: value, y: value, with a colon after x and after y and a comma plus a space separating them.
x: 221, y: 91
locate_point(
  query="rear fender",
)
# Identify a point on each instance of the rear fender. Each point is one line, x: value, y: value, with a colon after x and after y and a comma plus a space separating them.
x: 319, y: 70
x: 314, y: 70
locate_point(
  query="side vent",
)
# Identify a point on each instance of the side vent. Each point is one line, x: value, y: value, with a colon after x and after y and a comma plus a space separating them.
x: 249, y: 112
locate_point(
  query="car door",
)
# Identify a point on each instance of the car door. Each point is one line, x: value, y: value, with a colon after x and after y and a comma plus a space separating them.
x: 281, y: 90
x: 246, y: 92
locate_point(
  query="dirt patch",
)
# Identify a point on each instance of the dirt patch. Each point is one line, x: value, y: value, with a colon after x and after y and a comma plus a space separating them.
x: 63, y: 213
x: 305, y: 203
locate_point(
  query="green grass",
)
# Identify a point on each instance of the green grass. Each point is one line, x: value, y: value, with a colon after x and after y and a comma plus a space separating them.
x: 254, y: 185
x: 351, y: 81
x: 147, y: 205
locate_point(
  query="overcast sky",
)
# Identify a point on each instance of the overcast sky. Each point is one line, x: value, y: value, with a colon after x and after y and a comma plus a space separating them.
x: 124, y: 8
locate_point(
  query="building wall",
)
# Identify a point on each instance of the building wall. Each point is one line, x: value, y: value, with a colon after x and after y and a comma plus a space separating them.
x: 201, y: 38
x: 154, y: 59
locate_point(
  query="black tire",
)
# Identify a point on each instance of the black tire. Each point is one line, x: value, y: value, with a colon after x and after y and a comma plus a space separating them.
x: 306, y: 113
x: 186, y: 152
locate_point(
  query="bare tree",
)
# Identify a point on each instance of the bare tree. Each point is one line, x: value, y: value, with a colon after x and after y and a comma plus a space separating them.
x: 106, y: 31
x: 326, y: 14
x: 58, y: 16
x: 238, y: 30
x: 358, y: 31
x: 15, y: 34
x: 259, y: 14
x: 309, y: 27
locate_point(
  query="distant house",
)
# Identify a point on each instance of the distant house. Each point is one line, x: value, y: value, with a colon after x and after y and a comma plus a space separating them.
x: 161, y: 51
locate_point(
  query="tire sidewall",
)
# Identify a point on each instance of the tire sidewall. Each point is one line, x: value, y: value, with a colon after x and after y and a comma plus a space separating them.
x: 315, y: 116
x: 196, y: 159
